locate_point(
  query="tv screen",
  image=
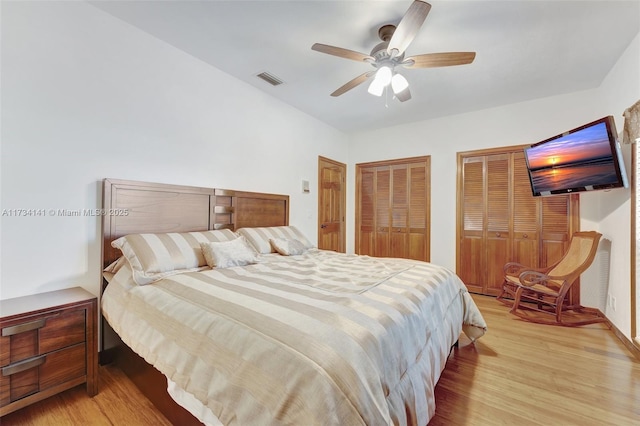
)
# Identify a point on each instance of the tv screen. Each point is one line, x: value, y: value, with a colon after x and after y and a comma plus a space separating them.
x: 586, y: 158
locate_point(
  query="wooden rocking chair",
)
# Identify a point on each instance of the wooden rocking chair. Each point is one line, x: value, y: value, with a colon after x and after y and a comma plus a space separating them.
x: 534, y: 291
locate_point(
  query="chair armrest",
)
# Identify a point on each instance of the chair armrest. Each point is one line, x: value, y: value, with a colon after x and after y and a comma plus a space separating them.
x: 513, y: 268
x: 531, y: 278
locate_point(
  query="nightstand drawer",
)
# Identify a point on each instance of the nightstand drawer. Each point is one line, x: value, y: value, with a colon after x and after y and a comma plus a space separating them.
x: 39, y: 335
x: 39, y: 373
x: 48, y: 344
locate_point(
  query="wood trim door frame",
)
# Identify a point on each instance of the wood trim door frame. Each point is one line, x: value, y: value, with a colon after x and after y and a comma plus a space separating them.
x: 635, y: 291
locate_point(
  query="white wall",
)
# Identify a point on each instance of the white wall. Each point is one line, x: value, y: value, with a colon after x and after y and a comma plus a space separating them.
x: 86, y: 96
x: 443, y: 138
x: 619, y: 90
x: 516, y: 124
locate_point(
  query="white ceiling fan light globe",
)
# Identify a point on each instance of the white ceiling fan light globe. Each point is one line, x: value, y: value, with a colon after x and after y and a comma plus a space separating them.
x: 376, y: 87
x: 399, y: 83
x: 384, y: 75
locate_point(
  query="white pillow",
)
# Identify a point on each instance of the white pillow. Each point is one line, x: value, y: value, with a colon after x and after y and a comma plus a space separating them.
x: 228, y: 253
x: 287, y: 247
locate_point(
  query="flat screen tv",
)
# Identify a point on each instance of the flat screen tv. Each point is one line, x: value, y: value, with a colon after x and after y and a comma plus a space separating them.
x: 586, y: 158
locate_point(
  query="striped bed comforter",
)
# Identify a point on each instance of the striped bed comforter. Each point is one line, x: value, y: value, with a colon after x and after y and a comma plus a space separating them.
x: 317, y: 339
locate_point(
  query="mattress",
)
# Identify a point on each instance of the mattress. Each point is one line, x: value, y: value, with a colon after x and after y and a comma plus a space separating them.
x: 322, y: 338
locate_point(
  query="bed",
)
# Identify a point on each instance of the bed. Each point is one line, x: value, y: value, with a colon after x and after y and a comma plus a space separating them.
x: 292, y: 335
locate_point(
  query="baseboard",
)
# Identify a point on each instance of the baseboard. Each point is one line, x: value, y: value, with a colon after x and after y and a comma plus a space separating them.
x: 635, y: 350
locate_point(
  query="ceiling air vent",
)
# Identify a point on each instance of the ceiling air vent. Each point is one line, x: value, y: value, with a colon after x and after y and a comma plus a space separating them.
x: 270, y: 78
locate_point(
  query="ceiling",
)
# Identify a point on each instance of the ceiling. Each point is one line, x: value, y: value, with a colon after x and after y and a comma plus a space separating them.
x: 525, y: 50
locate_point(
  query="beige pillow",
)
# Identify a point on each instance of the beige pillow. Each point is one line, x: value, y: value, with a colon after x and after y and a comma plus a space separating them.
x: 229, y: 253
x: 113, y: 268
x: 259, y: 237
x: 155, y: 256
x: 287, y: 247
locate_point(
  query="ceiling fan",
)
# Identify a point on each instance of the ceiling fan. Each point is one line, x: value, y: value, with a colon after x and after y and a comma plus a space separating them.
x: 387, y: 56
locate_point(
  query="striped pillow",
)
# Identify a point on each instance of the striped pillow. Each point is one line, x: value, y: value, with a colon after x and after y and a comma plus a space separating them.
x: 155, y: 256
x: 259, y: 237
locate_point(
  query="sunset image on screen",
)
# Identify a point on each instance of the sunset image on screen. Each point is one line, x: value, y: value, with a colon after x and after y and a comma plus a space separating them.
x: 579, y: 159
x: 585, y: 145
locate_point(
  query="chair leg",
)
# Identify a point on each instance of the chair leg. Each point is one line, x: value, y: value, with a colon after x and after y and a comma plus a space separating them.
x: 559, y: 303
x: 516, y: 300
x: 503, y: 293
x: 499, y: 297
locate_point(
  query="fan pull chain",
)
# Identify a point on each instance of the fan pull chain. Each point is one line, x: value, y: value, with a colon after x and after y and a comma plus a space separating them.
x: 386, y: 97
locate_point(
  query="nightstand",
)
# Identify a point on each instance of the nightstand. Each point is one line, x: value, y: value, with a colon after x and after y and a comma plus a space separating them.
x: 48, y: 344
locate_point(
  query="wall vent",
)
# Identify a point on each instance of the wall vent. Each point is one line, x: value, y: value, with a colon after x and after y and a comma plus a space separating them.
x: 270, y: 78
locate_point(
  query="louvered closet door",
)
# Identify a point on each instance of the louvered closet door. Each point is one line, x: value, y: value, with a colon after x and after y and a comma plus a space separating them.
x: 392, y: 212
x: 556, y: 233
x: 398, y: 236
x: 418, y: 212
x: 471, y: 252
x: 500, y: 221
x: 498, y: 208
x: 366, y: 213
x: 382, y: 220
x: 555, y: 228
x: 526, y: 215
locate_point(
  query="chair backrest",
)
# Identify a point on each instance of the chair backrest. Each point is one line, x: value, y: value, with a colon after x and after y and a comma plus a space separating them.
x: 582, y: 250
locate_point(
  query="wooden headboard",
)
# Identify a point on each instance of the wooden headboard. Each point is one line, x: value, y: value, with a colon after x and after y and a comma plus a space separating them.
x: 131, y: 207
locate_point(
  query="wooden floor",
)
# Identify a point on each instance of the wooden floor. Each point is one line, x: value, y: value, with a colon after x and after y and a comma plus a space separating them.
x: 519, y: 373
x: 119, y: 402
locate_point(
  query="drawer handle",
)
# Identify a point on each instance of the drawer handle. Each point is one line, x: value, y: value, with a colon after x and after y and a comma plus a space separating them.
x: 23, y: 365
x: 21, y: 328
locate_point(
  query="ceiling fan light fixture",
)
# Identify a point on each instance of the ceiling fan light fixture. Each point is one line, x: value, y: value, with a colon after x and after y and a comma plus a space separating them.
x: 390, y: 54
x: 383, y: 75
x: 376, y: 87
x: 399, y: 83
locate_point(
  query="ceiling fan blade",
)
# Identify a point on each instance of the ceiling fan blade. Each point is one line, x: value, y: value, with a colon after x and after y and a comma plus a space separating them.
x: 434, y: 60
x: 408, y: 27
x: 352, y: 83
x: 342, y: 53
x: 403, y: 96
